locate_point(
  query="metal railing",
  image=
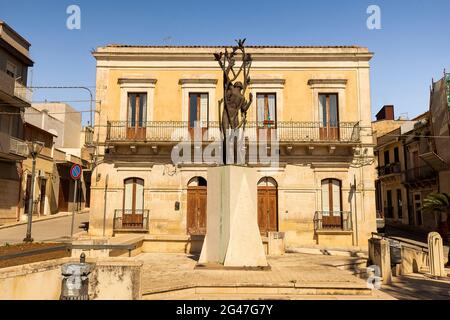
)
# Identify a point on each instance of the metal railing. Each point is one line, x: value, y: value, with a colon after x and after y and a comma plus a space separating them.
x: 18, y: 147
x: 177, y: 131
x: 131, y: 220
x: 14, y: 88
x: 23, y: 92
x: 392, y: 168
x: 88, y: 136
x: 333, y: 221
x: 420, y: 174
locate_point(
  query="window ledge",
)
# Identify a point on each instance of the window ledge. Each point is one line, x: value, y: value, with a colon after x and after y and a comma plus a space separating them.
x: 334, y: 232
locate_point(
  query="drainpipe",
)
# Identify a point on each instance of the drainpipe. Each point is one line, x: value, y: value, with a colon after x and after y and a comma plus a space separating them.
x: 356, y: 212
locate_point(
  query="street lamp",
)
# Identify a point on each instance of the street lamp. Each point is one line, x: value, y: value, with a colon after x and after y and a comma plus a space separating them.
x: 34, y: 148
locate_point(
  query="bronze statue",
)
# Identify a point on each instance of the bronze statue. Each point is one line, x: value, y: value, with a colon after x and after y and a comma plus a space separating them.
x: 234, y: 92
x: 234, y: 101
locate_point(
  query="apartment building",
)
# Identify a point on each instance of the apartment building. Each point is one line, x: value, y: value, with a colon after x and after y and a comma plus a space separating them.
x: 59, y: 126
x: 405, y: 175
x: 15, y: 97
x: 314, y: 101
x: 440, y: 129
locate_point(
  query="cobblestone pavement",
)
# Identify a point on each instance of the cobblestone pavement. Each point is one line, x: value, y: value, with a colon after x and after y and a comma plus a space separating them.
x: 163, y: 272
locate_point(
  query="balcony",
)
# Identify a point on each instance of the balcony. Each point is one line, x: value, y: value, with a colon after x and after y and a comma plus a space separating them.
x: 420, y: 175
x: 333, y: 221
x: 286, y: 132
x: 88, y: 136
x: 393, y: 168
x: 131, y: 221
x: 14, y: 88
x: 18, y: 148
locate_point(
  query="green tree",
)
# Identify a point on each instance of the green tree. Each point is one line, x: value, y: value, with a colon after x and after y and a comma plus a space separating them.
x: 438, y: 204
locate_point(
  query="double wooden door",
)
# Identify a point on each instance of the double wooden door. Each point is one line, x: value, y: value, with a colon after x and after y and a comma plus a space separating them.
x: 266, y: 116
x: 329, y: 117
x: 331, y: 204
x: 137, y: 116
x: 267, y: 209
x: 196, y: 210
x: 133, y: 215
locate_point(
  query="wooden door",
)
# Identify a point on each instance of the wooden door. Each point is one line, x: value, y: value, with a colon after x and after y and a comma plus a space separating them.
x: 267, y: 210
x: 27, y: 194
x: 133, y: 213
x: 42, y: 198
x: 137, y: 113
x: 196, y: 210
x: 331, y: 204
x: 63, y: 196
x: 329, y: 117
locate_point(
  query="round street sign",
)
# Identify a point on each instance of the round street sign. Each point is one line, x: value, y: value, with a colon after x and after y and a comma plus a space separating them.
x: 75, y: 172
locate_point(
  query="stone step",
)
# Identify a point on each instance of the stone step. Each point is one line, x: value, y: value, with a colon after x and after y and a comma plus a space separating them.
x: 319, y: 289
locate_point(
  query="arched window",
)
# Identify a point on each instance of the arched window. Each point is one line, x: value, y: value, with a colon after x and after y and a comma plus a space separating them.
x: 197, y: 182
x: 268, y: 182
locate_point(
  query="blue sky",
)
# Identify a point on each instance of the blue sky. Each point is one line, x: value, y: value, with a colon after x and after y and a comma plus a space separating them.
x: 412, y: 47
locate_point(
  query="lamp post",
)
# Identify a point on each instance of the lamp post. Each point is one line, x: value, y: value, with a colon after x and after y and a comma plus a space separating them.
x: 34, y: 148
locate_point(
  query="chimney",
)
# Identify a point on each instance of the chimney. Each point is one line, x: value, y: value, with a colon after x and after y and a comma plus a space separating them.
x: 386, y: 113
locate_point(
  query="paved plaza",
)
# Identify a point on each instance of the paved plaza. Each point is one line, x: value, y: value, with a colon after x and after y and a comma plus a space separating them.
x: 293, y: 276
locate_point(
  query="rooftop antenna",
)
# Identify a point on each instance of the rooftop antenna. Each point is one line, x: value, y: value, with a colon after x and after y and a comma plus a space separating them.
x: 166, y: 40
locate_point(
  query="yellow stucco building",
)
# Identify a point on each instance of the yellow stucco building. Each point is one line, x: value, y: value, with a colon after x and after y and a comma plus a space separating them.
x: 314, y: 100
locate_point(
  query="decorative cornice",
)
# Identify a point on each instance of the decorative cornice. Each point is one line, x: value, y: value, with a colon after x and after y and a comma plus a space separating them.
x: 137, y: 81
x: 275, y: 81
x: 327, y: 82
x: 197, y: 81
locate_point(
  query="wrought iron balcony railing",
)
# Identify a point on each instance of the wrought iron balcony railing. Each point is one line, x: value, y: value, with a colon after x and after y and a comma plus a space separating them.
x: 419, y: 174
x: 285, y: 132
x: 392, y: 168
x: 333, y: 221
x: 131, y: 220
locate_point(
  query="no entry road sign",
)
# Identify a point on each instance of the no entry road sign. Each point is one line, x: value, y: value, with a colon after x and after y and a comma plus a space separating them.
x: 75, y: 172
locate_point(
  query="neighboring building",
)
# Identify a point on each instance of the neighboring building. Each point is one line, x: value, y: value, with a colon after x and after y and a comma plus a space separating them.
x: 420, y: 178
x: 15, y: 97
x: 45, y: 186
x: 316, y: 100
x: 440, y: 128
x: 59, y: 127
x: 391, y: 194
x: 417, y: 154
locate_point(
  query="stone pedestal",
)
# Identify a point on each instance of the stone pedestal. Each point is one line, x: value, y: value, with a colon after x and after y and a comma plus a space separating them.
x: 232, y: 237
x: 436, y: 255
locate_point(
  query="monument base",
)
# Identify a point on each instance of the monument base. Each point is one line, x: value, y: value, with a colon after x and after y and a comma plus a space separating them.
x: 232, y: 237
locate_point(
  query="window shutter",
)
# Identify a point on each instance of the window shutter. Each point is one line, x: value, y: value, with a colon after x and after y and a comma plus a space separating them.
x: 333, y: 111
x: 204, y: 110
x: 260, y: 107
x: 272, y: 111
x: 325, y: 198
x: 323, y: 110
x: 336, y: 195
